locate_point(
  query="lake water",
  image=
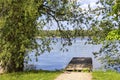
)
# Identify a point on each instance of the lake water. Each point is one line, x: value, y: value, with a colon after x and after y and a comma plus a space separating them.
x: 57, y: 60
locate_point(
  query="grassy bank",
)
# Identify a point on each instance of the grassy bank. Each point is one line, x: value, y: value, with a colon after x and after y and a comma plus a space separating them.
x: 31, y: 75
x: 48, y: 75
x: 108, y: 75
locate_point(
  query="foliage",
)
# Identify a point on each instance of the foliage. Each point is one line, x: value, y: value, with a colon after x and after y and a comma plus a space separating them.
x: 21, y: 21
x: 116, y: 8
x: 20, y: 24
x: 109, y: 55
x: 17, y: 32
x: 109, y: 25
x: 113, y: 35
x: 31, y: 75
x: 109, y: 21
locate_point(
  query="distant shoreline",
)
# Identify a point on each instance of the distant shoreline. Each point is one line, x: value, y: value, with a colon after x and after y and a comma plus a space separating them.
x: 62, y: 37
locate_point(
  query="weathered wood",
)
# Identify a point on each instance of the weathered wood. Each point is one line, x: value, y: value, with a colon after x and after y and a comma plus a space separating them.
x: 79, y: 64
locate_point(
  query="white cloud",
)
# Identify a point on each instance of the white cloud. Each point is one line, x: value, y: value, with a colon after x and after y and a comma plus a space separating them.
x: 87, y: 1
x: 84, y: 4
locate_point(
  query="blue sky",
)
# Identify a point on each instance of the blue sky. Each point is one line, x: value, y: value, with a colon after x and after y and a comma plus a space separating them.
x: 84, y: 5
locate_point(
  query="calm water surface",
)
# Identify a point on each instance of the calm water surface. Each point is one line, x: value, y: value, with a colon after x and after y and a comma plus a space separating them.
x: 57, y: 60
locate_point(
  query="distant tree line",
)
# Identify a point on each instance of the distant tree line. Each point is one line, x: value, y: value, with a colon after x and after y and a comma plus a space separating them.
x: 73, y: 33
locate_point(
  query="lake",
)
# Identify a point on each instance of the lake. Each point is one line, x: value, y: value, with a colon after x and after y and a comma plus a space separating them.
x: 57, y: 60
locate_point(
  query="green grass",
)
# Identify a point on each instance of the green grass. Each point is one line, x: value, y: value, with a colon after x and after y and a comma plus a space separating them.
x: 51, y: 75
x: 31, y: 75
x: 108, y: 75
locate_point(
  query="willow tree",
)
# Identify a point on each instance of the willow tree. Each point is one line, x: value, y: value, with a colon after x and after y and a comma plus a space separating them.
x: 17, y: 31
x: 20, y: 24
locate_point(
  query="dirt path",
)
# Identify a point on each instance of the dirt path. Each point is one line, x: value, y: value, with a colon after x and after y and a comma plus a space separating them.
x: 74, y: 76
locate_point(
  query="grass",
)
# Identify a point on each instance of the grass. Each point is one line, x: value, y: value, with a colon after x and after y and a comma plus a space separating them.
x: 51, y: 75
x: 108, y: 75
x: 31, y: 75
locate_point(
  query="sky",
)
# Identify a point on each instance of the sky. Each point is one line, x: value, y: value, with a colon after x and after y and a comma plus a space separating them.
x: 84, y: 5
x: 87, y: 1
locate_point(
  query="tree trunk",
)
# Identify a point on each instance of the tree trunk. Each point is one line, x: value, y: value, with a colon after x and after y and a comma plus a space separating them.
x: 15, y: 64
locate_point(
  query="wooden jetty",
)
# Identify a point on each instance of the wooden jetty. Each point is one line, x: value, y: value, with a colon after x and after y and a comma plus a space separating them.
x: 80, y: 64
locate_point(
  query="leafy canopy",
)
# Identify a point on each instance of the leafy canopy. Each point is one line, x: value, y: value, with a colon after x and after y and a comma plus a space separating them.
x: 19, y: 27
x: 22, y: 20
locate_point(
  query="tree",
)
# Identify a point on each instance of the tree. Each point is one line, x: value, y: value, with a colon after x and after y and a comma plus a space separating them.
x: 19, y: 27
x: 110, y: 36
x: 22, y: 20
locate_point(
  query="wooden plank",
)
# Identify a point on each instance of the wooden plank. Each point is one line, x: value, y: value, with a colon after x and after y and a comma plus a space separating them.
x: 80, y: 63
